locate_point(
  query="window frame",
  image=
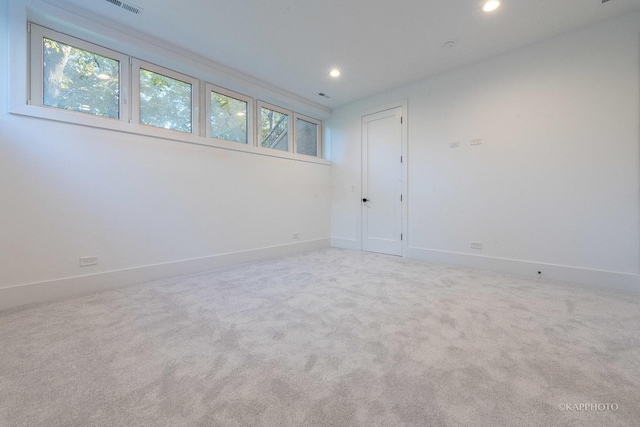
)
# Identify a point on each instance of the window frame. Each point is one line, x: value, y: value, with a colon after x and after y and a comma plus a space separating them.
x: 258, y: 121
x: 35, y: 84
x: 307, y: 119
x: 25, y: 93
x: 251, y: 122
x: 136, y: 65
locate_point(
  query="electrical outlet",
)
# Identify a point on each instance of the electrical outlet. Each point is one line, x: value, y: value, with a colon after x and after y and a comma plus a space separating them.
x: 476, y: 245
x: 295, y: 236
x: 476, y: 141
x: 88, y: 260
x: 454, y: 144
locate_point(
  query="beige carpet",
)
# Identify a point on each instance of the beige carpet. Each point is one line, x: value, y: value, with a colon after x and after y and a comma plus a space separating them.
x: 329, y: 338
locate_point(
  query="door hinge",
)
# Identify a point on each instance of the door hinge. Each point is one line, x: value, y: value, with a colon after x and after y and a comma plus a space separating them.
x: 400, y: 159
x: 28, y: 27
x: 400, y: 236
x: 400, y: 119
x: 401, y: 197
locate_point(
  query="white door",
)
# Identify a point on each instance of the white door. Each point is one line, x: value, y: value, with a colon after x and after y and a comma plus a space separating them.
x: 382, y: 182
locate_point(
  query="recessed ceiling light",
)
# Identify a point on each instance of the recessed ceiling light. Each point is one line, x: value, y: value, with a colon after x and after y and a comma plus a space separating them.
x: 491, y: 5
x: 335, y: 73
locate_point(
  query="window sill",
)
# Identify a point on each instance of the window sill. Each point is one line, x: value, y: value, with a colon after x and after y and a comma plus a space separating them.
x: 81, y: 119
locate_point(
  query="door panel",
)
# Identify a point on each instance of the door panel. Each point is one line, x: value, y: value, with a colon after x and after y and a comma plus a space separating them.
x: 382, y: 182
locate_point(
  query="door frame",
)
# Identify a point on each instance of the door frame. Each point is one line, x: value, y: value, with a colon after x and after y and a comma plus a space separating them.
x: 404, y: 215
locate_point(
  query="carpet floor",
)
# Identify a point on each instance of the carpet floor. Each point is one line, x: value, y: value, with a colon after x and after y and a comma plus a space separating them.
x: 327, y: 338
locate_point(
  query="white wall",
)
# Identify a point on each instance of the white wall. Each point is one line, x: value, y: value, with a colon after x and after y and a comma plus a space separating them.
x: 555, y: 186
x: 136, y: 202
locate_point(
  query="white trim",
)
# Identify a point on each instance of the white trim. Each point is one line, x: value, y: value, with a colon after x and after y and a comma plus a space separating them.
x: 60, y: 115
x: 582, y: 276
x: 15, y: 296
x: 209, y: 88
x: 405, y: 176
x: 388, y: 106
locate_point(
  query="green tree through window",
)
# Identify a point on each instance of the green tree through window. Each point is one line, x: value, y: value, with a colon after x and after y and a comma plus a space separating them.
x: 165, y: 102
x: 228, y: 118
x: 80, y: 80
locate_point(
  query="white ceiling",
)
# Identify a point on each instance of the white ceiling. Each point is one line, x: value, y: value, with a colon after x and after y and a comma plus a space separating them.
x: 378, y: 44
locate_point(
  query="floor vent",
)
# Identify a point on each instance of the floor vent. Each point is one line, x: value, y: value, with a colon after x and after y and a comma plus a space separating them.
x: 126, y: 6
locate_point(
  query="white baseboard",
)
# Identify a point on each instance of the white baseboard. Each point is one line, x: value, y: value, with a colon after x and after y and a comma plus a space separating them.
x: 352, y: 244
x: 582, y: 276
x: 15, y: 296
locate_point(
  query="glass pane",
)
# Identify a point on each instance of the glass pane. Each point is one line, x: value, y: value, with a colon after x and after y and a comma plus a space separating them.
x: 274, y: 129
x: 228, y: 118
x: 79, y: 80
x: 164, y: 102
x: 306, y: 137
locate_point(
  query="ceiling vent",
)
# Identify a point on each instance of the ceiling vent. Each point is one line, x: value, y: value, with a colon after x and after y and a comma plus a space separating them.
x: 126, y: 6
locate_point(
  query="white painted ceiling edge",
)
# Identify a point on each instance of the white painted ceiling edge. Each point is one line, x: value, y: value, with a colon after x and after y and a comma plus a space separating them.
x: 378, y: 45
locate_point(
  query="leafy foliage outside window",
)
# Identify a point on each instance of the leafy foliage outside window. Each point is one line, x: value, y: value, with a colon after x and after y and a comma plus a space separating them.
x: 306, y: 137
x: 165, y: 102
x: 274, y: 129
x: 228, y: 118
x: 79, y: 80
